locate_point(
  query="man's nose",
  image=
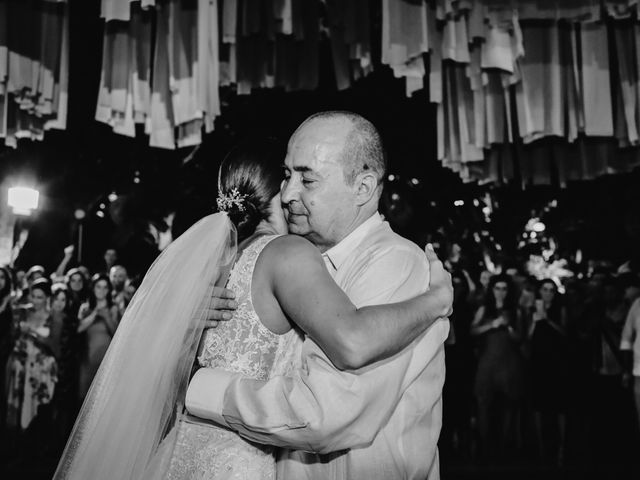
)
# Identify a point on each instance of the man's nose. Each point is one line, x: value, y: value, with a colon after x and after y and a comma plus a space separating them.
x: 288, y: 192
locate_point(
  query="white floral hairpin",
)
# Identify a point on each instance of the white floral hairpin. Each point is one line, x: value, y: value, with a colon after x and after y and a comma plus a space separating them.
x: 227, y: 201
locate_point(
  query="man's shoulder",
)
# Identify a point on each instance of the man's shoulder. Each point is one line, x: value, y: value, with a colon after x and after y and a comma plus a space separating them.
x: 389, y: 255
x: 383, y: 240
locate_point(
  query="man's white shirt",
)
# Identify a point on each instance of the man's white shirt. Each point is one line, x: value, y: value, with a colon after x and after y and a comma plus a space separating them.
x: 383, y: 421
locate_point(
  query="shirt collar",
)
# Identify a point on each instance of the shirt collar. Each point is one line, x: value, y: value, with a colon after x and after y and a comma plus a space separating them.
x: 343, y: 250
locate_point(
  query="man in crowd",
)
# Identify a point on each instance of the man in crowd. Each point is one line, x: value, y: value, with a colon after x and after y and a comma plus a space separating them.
x: 118, y: 278
x: 110, y: 258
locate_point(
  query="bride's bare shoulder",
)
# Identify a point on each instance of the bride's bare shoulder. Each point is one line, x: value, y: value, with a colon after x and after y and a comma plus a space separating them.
x: 291, y: 248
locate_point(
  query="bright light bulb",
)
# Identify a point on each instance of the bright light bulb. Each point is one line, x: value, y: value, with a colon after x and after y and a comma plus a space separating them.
x: 23, y: 200
x: 538, y: 227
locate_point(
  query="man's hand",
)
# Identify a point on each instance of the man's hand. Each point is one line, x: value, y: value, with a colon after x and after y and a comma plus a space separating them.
x: 68, y: 251
x: 440, y: 282
x: 222, y: 307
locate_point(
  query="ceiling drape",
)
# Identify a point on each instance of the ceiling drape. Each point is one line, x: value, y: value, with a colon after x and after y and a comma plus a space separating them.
x: 34, y: 68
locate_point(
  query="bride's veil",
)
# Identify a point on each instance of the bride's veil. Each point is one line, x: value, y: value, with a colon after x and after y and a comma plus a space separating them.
x: 140, y: 386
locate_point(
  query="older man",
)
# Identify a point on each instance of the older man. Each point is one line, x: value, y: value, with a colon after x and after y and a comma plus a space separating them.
x: 388, y: 415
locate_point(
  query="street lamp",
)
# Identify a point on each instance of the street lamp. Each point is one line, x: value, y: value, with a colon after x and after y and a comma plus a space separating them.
x: 23, y: 200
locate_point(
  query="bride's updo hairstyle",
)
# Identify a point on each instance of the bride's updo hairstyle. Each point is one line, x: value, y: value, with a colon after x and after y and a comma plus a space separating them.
x: 249, y: 178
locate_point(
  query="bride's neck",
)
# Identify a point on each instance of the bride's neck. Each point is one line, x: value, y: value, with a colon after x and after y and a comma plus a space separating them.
x: 265, y: 227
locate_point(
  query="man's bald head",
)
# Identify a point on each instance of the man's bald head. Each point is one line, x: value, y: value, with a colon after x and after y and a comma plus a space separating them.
x: 363, y: 150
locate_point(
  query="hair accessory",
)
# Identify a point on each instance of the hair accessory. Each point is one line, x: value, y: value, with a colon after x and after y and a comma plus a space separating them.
x: 227, y: 201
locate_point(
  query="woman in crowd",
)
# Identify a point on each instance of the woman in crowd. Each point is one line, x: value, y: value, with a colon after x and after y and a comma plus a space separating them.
x: 98, y: 321
x: 610, y: 405
x: 76, y: 295
x: 499, y: 385
x: 64, y: 333
x: 481, y: 289
x: 457, y: 394
x: 550, y: 370
x: 77, y: 290
x: 6, y: 319
x: 32, y: 368
x: 23, y: 283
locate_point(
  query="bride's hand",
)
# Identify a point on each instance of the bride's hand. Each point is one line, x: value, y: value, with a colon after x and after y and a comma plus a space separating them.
x: 440, y: 281
x: 222, y: 307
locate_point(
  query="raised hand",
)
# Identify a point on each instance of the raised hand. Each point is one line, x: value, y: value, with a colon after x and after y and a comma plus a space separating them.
x: 500, y: 322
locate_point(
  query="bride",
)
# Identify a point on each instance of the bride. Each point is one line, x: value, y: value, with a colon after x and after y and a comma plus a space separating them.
x: 133, y: 424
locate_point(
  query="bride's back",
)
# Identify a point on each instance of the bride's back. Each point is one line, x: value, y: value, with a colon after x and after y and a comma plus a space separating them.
x: 244, y: 344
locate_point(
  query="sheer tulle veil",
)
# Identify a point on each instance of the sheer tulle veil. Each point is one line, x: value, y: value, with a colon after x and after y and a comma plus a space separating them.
x: 139, y: 389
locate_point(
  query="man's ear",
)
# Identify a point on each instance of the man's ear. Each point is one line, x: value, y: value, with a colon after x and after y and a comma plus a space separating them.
x: 366, y: 184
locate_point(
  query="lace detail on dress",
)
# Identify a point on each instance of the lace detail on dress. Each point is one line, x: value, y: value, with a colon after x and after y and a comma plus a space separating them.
x: 244, y: 344
x: 207, y: 453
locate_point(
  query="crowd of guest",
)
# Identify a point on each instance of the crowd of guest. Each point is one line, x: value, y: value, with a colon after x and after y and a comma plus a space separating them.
x: 533, y: 374
x: 55, y: 329
x: 542, y: 371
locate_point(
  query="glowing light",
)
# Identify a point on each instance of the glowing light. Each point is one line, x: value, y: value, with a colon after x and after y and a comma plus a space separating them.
x: 100, y: 213
x: 476, y: 203
x: 459, y: 203
x: 391, y: 177
x: 535, y: 225
x: 486, y: 211
x: 79, y: 214
x: 23, y: 200
x: 415, y: 181
x: 102, y: 206
x: 538, y: 227
x: 395, y: 196
x: 113, y: 196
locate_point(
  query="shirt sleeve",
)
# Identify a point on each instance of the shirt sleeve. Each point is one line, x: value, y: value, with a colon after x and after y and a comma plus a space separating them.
x: 628, y: 332
x: 319, y: 408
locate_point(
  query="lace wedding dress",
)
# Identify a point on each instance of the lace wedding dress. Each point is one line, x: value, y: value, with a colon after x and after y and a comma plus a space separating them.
x: 202, y: 450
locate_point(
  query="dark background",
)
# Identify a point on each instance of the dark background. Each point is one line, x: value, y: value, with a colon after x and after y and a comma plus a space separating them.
x: 79, y: 167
